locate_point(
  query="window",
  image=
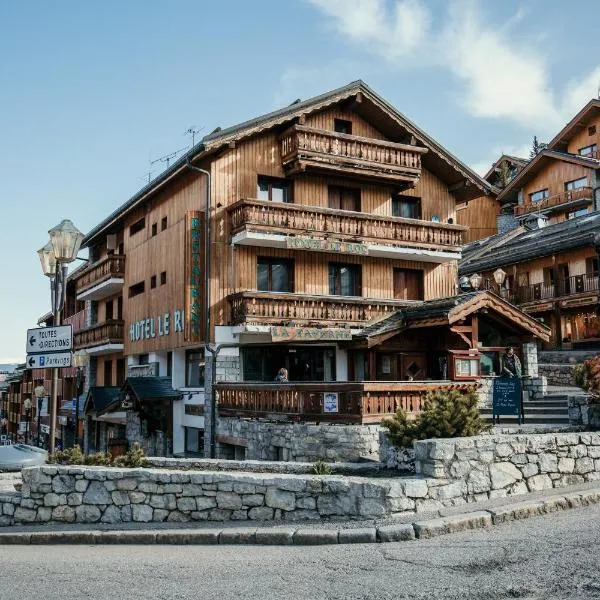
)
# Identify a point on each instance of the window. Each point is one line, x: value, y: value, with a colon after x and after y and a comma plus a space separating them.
x: 577, y: 213
x: 591, y: 265
x: 344, y: 280
x: 137, y: 289
x: 194, y: 441
x: 163, y: 224
x: 466, y: 367
x: 153, y: 281
x: 342, y: 126
x: 144, y: 359
x: 274, y: 190
x: 576, y: 184
x: 137, y: 226
x: 274, y: 275
x: 408, y: 284
x: 343, y: 198
x: 194, y: 368
x: 408, y: 207
x: 539, y: 195
x: 592, y: 130
x: 588, y: 150
x: 169, y: 364
x: 108, y: 373
x: 163, y: 278
x: 154, y: 229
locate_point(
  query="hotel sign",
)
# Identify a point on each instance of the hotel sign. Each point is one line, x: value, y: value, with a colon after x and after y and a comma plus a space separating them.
x: 579, y: 301
x: 149, y: 328
x: 310, y: 334
x: 315, y: 244
x: 195, y: 277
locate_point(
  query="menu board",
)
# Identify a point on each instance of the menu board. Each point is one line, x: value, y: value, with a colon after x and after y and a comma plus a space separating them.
x: 506, y: 398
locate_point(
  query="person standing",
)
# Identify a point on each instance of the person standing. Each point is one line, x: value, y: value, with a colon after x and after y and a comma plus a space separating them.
x: 282, y: 376
x: 510, y: 365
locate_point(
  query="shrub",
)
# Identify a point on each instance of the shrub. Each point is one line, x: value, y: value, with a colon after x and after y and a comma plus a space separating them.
x: 322, y: 468
x: 445, y: 414
x: 580, y: 376
x: 134, y: 458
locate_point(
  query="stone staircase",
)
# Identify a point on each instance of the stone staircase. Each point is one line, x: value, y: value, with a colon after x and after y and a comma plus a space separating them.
x: 553, y: 410
x: 557, y: 365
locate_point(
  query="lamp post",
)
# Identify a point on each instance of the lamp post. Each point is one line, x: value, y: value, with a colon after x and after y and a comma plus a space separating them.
x: 27, y: 405
x: 65, y: 240
x: 80, y: 360
x: 39, y: 392
x: 499, y: 278
x: 475, y: 281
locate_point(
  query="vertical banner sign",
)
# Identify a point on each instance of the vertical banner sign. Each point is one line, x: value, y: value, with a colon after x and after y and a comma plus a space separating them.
x: 195, y: 279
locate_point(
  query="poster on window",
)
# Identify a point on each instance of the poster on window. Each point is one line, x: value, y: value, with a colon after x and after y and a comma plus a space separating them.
x: 386, y: 365
x: 330, y: 402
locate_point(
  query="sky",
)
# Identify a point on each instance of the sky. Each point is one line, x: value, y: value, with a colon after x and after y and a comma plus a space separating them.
x: 91, y: 92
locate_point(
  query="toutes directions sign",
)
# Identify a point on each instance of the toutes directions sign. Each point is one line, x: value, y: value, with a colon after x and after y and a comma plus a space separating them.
x: 50, y: 339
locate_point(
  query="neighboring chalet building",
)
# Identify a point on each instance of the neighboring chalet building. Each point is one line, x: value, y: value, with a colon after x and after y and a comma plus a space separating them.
x: 551, y: 257
x: 331, y: 250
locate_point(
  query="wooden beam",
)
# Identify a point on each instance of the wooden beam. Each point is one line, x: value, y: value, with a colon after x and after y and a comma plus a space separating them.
x: 475, y: 330
x: 463, y: 336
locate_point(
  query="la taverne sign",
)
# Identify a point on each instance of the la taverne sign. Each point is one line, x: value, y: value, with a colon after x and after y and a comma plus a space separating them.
x: 319, y: 245
x: 160, y: 326
x: 310, y: 334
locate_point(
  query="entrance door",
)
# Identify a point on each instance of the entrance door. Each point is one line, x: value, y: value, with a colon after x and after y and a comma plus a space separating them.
x: 412, y: 366
x: 564, y: 282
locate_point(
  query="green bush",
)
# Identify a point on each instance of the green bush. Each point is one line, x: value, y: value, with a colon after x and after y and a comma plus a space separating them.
x: 445, y: 414
x: 134, y: 458
x: 581, y: 376
x: 322, y: 468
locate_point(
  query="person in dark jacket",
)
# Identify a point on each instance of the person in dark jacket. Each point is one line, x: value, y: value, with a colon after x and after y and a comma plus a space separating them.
x: 510, y: 365
x: 282, y: 376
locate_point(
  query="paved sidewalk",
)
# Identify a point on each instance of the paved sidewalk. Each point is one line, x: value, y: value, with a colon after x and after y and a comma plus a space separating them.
x: 401, y: 528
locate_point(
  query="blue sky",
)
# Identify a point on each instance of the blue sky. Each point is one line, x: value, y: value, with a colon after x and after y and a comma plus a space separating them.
x: 90, y: 91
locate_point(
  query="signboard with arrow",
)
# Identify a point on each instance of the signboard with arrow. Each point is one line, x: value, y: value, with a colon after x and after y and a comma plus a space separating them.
x: 50, y: 339
x: 49, y: 361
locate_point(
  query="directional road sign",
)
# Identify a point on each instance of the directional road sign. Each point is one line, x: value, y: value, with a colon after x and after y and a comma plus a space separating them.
x: 49, y: 361
x: 50, y: 339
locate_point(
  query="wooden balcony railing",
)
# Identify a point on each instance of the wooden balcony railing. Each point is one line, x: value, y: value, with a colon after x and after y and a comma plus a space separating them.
x: 583, y: 193
x: 277, y: 217
x: 107, y: 268
x: 303, y: 146
x: 77, y: 321
x: 364, y: 402
x: 576, y: 284
x: 280, y: 308
x: 109, y: 332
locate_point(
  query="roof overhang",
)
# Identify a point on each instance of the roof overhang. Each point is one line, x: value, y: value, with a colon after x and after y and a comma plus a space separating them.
x: 576, y: 124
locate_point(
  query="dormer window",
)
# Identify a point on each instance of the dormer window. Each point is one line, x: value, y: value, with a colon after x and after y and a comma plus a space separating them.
x: 589, y: 151
x: 342, y: 126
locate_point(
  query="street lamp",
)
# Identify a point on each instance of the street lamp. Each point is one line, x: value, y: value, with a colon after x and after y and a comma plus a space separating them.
x: 80, y: 360
x: 27, y: 405
x: 65, y: 241
x: 475, y: 281
x: 499, y: 278
x: 39, y: 392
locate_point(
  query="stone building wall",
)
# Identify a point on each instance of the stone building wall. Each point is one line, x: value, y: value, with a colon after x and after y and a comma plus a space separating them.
x: 558, y: 374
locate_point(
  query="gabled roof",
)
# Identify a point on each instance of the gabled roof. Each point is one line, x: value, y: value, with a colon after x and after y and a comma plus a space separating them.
x: 447, y: 311
x: 151, y: 388
x: 372, y: 106
x: 517, y: 161
x: 537, y: 164
x: 102, y: 399
x: 578, y: 122
x: 527, y: 245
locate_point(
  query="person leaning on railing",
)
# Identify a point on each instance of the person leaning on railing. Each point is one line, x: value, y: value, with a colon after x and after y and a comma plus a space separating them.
x: 510, y: 364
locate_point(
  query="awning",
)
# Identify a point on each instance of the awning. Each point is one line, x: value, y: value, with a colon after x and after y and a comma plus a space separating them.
x: 116, y: 418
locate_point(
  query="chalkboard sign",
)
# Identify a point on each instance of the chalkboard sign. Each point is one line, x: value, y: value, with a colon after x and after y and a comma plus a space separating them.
x: 506, y: 398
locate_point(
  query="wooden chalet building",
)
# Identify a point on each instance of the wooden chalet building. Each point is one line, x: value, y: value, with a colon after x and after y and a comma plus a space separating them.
x: 550, y: 256
x: 329, y: 221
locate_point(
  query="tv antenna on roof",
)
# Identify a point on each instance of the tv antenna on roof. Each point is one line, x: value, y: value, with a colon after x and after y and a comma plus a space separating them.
x: 167, y: 158
x: 193, y: 132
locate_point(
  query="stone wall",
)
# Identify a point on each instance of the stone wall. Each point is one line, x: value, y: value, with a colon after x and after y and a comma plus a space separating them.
x: 302, y: 442
x: 584, y: 410
x: 557, y: 374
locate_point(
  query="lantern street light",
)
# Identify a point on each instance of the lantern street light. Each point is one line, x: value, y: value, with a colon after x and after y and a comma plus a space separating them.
x: 27, y: 405
x: 81, y: 358
x: 475, y: 281
x: 499, y: 278
x: 64, y: 244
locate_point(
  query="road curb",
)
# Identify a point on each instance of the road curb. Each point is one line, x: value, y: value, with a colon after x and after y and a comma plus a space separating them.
x: 305, y: 536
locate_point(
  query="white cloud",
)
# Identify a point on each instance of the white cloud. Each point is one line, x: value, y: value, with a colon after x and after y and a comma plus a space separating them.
x: 504, y: 73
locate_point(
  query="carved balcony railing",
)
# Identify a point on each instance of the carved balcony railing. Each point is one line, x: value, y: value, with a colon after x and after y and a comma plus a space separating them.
x: 109, y: 332
x: 305, y: 147
x: 364, y: 402
x: 570, y: 286
x: 112, y: 266
x: 277, y: 217
x: 281, y: 308
x: 583, y: 194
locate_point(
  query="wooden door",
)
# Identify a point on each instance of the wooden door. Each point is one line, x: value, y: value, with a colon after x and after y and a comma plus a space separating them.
x: 413, y: 366
x: 408, y: 284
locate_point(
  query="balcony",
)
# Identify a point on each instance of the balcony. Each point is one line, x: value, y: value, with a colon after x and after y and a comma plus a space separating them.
x: 305, y: 148
x: 361, y: 402
x: 575, y: 285
x: 559, y: 202
x: 269, y: 308
x: 103, y: 338
x: 280, y: 225
x: 102, y: 279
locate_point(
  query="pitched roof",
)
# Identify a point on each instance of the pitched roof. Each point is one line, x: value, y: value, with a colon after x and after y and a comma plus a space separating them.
x: 579, y: 121
x: 526, y: 245
x: 453, y: 309
x: 519, y: 162
x: 535, y: 165
x: 101, y: 399
x: 151, y: 388
x: 438, y: 159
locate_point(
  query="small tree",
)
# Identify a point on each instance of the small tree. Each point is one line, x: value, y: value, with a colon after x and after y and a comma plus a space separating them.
x: 536, y: 147
x: 504, y: 174
x: 445, y: 414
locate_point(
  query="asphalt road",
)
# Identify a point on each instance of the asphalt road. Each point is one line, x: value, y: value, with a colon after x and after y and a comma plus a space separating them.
x: 555, y: 556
